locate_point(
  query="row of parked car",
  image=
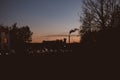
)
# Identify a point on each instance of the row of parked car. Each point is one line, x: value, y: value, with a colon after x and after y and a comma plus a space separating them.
x: 46, y: 51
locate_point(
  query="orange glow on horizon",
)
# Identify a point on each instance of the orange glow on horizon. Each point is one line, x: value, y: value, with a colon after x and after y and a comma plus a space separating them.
x: 73, y: 39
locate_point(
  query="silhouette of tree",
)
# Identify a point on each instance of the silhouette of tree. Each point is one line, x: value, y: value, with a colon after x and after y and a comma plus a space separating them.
x: 18, y: 37
x: 23, y: 33
x: 100, y: 25
x: 99, y: 14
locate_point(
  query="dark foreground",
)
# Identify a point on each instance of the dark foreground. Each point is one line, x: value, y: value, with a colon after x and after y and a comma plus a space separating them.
x: 75, y: 66
x: 79, y: 62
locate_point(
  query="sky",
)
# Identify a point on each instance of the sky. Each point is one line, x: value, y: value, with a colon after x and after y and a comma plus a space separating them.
x: 44, y: 17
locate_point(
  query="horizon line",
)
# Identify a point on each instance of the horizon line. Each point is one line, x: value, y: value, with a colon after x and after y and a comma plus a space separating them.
x: 60, y: 35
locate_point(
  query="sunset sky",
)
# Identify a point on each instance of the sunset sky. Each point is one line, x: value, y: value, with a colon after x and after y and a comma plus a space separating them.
x: 47, y: 19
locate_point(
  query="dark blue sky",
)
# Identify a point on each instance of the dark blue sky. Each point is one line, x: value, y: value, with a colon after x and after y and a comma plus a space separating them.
x: 45, y: 17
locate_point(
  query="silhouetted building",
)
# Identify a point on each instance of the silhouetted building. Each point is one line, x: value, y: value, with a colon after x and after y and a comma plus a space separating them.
x: 55, y: 44
x: 55, y: 41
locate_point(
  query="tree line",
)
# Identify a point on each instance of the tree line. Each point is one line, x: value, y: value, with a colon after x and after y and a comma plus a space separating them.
x: 18, y: 37
x: 16, y: 33
x: 100, y: 24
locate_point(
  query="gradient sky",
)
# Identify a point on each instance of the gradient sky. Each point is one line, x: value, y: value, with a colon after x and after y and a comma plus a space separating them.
x: 44, y: 17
